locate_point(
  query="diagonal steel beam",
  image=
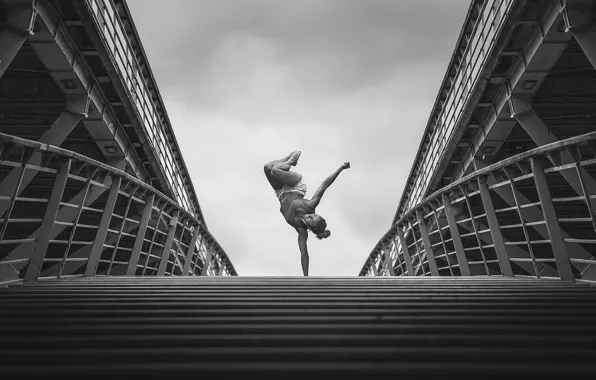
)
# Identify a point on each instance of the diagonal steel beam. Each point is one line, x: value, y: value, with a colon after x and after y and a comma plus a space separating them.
x: 578, y: 20
x: 545, y: 44
x: 18, y: 27
x: 522, y: 111
x: 76, y: 110
x: 58, y: 53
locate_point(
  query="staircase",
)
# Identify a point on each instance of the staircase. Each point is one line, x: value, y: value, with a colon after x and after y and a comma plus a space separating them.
x: 206, y: 326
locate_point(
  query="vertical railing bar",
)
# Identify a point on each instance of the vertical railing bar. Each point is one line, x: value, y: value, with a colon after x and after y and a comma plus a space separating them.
x: 418, y: 250
x: 25, y: 157
x: 102, y: 230
x: 399, y: 260
x: 418, y: 255
x: 136, y: 251
x: 415, y: 250
x: 430, y: 255
x: 443, y: 242
x: 189, y: 253
x: 43, y: 237
x: 207, y: 262
x: 495, y: 229
x: 150, y: 249
x: 121, y: 229
x: 76, y: 222
x: 178, y: 232
x: 373, y: 266
x: 388, y: 261
x: 167, y: 247
x: 523, y: 223
x: 222, y: 266
x: 473, y: 220
x: 196, y: 262
x: 552, y: 223
x: 406, y: 252
x: 586, y: 195
x: 178, y: 242
x: 457, y: 243
x: 397, y: 268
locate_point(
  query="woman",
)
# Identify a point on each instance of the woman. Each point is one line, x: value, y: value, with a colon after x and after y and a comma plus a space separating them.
x: 298, y: 211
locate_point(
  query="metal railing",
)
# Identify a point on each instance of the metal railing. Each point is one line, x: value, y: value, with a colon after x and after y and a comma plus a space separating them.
x: 530, y: 215
x: 63, y: 214
x: 477, y: 42
x: 158, y: 133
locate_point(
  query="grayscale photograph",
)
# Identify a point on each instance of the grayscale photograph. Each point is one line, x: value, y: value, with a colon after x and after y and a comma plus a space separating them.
x: 279, y: 188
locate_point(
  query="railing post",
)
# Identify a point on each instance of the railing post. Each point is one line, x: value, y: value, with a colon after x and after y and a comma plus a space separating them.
x: 455, y: 237
x: 430, y: 256
x: 552, y: 223
x: 373, y: 266
x: 207, y: 262
x: 6, y: 212
x: 102, y: 230
x: 201, y: 240
x: 191, y: 249
x: 136, y: 250
x: 41, y: 246
x: 404, y: 246
x: 387, y: 256
x: 221, y: 268
x: 495, y: 228
x: 167, y: 248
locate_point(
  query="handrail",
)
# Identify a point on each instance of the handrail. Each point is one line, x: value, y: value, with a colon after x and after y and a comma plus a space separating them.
x: 477, y: 47
x: 156, y: 126
x: 577, y: 184
x: 89, y: 176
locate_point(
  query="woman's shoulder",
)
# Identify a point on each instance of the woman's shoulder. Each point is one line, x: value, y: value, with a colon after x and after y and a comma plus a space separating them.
x: 306, y: 207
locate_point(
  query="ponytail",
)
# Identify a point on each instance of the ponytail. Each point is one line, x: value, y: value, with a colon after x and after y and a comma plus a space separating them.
x: 323, y: 235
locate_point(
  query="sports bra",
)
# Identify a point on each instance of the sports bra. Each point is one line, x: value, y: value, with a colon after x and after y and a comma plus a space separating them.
x: 285, y: 207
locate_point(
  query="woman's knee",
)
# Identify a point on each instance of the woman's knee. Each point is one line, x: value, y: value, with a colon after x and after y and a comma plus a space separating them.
x: 268, y: 166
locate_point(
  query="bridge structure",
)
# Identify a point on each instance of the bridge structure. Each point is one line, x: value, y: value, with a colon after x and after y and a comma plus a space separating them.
x: 107, y: 266
x: 504, y: 181
x: 92, y: 181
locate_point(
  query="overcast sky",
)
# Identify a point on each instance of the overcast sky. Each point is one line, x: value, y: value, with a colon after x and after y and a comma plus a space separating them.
x: 248, y: 81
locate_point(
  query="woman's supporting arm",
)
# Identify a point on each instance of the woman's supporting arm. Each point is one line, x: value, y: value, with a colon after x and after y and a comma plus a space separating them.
x: 302, y: 237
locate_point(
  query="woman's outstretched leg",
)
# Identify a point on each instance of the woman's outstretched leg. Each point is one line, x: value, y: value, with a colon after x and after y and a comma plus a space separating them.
x: 276, y: 183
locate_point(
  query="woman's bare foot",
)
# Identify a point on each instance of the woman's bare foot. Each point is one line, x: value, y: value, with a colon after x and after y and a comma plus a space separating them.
x: 294, y: 156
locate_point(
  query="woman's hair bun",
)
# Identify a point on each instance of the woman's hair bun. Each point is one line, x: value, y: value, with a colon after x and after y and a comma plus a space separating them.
x: 324, y: 234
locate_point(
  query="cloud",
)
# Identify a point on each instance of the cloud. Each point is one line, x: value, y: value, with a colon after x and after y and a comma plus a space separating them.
x: 245, y: 82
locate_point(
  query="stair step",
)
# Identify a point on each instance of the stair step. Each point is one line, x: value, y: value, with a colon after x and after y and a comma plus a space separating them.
x: 285, y: 368
x: 174, y: 326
